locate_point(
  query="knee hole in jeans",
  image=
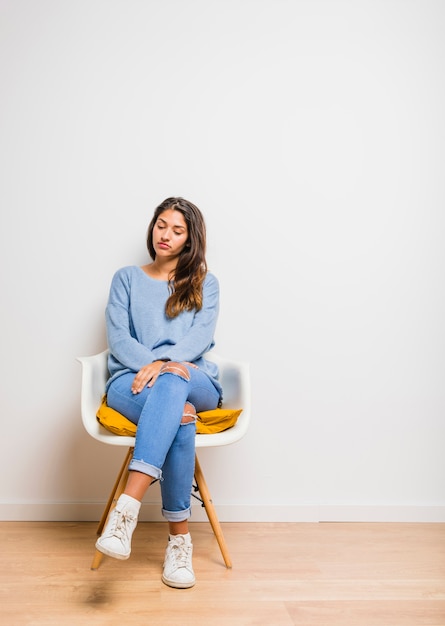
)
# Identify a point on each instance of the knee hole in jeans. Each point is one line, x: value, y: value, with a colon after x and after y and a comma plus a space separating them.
x: 172, y: 367
x: 189, y: 414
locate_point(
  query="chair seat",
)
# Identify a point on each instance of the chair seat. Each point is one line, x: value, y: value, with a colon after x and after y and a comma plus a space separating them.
x: 234, y: 377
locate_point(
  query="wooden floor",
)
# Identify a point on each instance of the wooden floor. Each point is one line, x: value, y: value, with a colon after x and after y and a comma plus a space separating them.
x: 283, y: 574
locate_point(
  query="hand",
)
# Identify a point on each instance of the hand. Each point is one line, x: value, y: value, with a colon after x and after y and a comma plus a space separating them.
x: 146, y: 377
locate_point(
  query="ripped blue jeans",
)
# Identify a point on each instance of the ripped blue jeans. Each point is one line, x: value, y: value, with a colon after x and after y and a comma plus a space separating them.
x: 165, y: 444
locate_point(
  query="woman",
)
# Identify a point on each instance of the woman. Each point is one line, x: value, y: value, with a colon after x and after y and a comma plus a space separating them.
x: 161, y: 320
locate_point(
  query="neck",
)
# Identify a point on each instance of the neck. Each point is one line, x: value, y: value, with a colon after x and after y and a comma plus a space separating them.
x: 161, y: 269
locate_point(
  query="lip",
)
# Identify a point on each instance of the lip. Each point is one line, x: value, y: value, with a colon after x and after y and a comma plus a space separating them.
x: 163, y: 246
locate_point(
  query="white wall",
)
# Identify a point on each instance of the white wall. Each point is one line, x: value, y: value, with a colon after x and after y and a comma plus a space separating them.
x: 312, y: 136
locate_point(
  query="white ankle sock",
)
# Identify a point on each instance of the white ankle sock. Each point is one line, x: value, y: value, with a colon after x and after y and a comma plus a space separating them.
x: 187, y: 537
x: 124, y: 499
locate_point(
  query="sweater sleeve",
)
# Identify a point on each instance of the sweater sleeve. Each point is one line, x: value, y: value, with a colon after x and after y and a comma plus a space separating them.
x: 123, y: 345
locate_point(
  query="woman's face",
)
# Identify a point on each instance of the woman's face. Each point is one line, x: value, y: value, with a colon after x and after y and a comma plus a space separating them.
x: 170, y: 234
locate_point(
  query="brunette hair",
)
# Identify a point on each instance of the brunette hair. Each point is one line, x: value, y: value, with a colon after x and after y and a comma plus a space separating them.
x: 186, y: 282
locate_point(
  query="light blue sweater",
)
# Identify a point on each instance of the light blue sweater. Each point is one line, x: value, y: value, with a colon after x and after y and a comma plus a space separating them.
x: 139, y: 332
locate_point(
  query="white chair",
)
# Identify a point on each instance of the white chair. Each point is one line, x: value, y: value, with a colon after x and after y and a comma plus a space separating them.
x: 235, y: 380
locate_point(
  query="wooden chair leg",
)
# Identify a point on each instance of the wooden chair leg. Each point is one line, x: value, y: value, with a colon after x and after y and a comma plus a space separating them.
x: 117, y: 490
x: 211, y: 513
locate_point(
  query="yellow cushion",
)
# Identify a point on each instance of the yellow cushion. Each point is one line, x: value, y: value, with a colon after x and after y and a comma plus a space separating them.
x: 208, y: 422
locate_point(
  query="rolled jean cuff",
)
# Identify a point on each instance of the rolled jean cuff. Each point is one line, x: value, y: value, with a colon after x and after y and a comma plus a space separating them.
x: 145, y: 468
x: 176, y: 516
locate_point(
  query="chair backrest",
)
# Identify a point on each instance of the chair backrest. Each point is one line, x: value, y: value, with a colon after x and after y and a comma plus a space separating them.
x: 234, y: 378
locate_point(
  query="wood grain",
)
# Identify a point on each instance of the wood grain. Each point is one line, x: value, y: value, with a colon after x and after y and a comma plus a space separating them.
x: 284, y: 574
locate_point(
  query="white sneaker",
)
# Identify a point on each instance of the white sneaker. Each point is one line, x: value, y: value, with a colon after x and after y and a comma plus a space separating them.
x: 115, y: 540
x: 178, y: 570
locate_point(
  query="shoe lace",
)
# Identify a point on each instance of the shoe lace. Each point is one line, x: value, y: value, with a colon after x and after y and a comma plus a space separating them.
x: 180, y: 552
x: 120, y: 520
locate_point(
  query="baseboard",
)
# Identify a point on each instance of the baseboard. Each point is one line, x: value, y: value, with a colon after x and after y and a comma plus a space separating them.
x: 150, y: 512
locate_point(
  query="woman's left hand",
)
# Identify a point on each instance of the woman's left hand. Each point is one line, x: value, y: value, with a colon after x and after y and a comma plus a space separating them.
x: 146, y: 377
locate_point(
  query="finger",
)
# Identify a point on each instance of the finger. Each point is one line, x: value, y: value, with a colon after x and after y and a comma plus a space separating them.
x: 152, y: 381
x: 139, y: 383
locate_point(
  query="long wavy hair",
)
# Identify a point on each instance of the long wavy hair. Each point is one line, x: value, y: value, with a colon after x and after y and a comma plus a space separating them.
x: 186, y: 282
